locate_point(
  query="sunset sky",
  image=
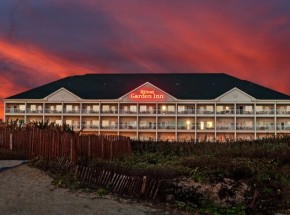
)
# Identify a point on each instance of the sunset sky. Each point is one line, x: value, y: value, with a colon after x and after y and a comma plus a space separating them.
x: 44, y: 40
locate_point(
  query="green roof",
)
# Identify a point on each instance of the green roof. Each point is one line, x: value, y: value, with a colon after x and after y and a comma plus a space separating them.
x: 181, y: 86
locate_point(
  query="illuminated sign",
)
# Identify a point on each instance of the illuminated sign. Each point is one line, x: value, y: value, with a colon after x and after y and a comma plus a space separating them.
x: 147, y: 95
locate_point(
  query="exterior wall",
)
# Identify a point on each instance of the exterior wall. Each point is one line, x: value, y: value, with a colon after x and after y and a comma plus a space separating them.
x: 182, y: 120
x: 232, y: 116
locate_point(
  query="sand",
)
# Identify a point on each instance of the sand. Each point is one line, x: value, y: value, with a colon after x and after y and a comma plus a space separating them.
x: 28, y: 191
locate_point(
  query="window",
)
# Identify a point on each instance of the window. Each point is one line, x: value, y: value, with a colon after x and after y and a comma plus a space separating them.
x: 259, y: 108
x: 68, y: 122
x: 113, y: 124
x: 69, y: 108
x: 105, y: 123
x: 133, y: 108
x: 96, y: 108
x: 209, y: 108
x: 106, y: 108
x: 33, y: 108
x: 95, y: 123
x: 171, y: 108
x: 249, y: 109
x: 58, y: 122
x: 143, y: 108
x: 59, y: 108
x: 22, y: 108
x: 209, y: 124
x: 219, y: 109
x: 181, y: 108
x: 143, y: 124
x: 202, y: 125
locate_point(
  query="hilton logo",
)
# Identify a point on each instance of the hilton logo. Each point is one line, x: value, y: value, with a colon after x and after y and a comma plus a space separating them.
x: 147, y: 95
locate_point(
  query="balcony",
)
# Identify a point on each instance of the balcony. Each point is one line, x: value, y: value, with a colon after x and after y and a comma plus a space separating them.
x: 265, y: 112
x: 225, y: 112
x: 127, y: 126
x: 86, y: 111
x: 109, y: 126
x: 110, y: 111
x: 198, y: 127
x: 265, y: 127
x: 225, y: 127
x: 185, y: 127
x: 125, y: 111
x: 239, y: 111
x: 205, y: 112
x: 188, y: 111
x: 245, y: 128
x: 147, y: 127
x: 282, y: 112
x: 166, y: 127
x: 86, y: 126
x: 283, y: 127
x: 29, y: 110
x: 14, y: 110
x: 48, y: 110
x: 161, y: 111
x: 74, y: 126
x: 71, y: 111
x: 147, y: 111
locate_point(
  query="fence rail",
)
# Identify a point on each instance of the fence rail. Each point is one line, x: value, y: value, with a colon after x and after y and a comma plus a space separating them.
x: 51, y: 143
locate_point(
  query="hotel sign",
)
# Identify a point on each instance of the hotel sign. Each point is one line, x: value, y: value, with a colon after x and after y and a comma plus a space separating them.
x: 147, y: 95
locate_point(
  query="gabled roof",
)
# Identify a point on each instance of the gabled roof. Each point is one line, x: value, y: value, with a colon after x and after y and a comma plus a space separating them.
x: 179, y: 85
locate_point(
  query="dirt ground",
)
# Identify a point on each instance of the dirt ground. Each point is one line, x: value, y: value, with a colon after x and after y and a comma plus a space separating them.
x: 28, y: 191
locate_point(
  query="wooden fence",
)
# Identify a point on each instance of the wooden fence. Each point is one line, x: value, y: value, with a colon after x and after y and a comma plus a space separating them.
x: 51, y: 143
x: 118, y: 183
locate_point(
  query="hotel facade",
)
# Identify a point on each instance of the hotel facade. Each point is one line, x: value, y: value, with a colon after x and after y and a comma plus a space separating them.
x: 157, y: 106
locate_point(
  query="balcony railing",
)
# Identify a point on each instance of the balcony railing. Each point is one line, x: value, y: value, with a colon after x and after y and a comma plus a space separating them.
x: 239, y: 111
x: 126, y: 126
x: 14, y: 110
x: 283, y: 127
x: 231, y: 111
x: 86, y: 126
x: 146, y: 127
x: 109, y: 126
x: 202, y: 111
x: 48, y: 110
x: 167, y: 127
x: 266, y: 112
x: 160, y: 111
x: 188, y: 111
x: 85, y: 111
x: 123, y: 111
x: 29, y: 110
x: 74, y: 126
x: 225, y: 127
x: 111, y: 111
x: 265, y: 127
x: 147, y: 111
x: 71, y: 111
x: 185, y: 127
x: 245, y: 128
x: 198, y: 127
x: 282, y: 111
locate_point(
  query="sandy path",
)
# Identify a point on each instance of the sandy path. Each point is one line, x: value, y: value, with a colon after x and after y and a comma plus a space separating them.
x: 28, y: 191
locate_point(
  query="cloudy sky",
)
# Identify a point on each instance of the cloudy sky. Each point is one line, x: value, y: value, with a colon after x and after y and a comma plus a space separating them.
x: 44, y: 40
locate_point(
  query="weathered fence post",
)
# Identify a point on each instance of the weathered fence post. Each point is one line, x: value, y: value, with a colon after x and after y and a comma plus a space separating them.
x: 73, y: 153
x: 89, y: 147
x: 11, y: 142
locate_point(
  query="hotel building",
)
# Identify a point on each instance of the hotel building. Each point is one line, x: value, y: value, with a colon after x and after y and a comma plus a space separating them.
x: 181, y: 107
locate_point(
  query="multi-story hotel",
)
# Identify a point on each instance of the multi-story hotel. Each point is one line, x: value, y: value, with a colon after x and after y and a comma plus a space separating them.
x: 157, y: 106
